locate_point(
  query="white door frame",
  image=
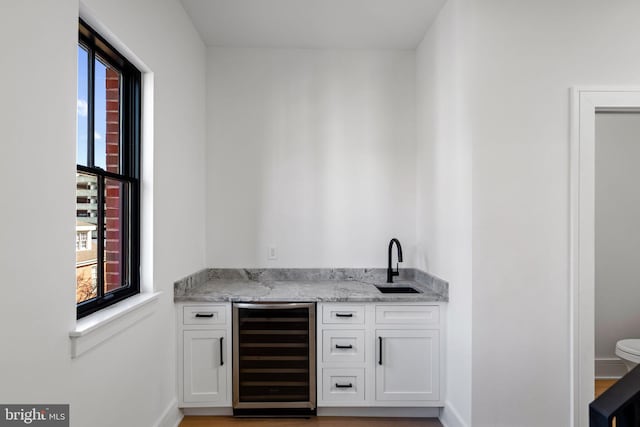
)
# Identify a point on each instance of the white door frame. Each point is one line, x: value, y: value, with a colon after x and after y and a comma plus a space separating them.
x: 585, y: 101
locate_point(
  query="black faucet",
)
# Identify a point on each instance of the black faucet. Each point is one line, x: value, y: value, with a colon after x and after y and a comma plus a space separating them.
x: 390, y: 272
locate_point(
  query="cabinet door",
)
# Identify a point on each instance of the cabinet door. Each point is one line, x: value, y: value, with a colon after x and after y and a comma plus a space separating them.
x: 407, y: 365
x: 205, y: 369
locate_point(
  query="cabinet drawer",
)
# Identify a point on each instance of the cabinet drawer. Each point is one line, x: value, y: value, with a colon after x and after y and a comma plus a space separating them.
x: 342, y: 346
x: 204, y: 315
x: 333, y: 314
x: 343, y: 385
x: 408, y: 314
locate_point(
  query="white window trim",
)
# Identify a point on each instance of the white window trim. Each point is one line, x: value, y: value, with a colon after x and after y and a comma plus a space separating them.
x: 93, y: 330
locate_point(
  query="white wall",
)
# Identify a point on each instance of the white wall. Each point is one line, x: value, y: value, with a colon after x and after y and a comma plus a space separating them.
x: 617, y: 233
x: 130, y: 379
x: 524, y: 58
x: 37, y: 183
x: 444, y: 194
x: 311, y: 151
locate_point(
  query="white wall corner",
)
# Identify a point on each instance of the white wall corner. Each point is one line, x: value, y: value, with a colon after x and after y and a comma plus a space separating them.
x: 450, y: 417
x: 171, y: 417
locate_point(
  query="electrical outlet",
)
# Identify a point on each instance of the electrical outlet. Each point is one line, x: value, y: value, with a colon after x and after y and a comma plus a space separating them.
x: 273, y: 253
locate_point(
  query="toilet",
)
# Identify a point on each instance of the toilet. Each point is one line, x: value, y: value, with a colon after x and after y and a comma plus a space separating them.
x: 629, y: 351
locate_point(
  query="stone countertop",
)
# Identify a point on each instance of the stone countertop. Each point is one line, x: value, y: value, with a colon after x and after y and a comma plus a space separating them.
x: 294, y: 285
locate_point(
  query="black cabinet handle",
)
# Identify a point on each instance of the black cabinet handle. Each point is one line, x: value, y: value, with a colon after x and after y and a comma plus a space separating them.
x: 204, y: 314
x: 344, y: 314
x: 343, y: 346
x: 344, y: 385
x: 379, y: 350
x: 221, y: 360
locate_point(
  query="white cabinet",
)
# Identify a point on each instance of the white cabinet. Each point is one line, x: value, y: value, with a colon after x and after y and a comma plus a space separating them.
x: 204, y: 355
x: 343, y: 314
x: 343, y: 386
x: 408, y: 365
x: 204, y: 370
x: 380, y: 354
x: 343, y: 345
x: 343, y: 340
x: 368, y: 355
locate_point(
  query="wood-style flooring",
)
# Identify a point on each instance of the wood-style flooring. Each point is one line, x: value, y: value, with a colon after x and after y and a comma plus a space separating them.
x: 196, y: 421
x: 602, y: 386
x: 192, y: 421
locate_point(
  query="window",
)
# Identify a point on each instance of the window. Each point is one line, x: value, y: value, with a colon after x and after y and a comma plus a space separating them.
x: 107, y: 175
x: 82, y: 241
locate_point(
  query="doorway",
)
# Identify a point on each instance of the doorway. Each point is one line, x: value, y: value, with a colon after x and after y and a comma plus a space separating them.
x: 617, y: 237
x: 586, y: 103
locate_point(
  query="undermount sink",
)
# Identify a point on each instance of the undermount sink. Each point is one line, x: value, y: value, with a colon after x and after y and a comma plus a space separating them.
x: 390, y: 289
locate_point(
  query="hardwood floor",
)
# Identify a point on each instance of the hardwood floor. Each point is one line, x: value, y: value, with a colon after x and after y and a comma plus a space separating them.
x: 602, y: 385
x: 312, y: 422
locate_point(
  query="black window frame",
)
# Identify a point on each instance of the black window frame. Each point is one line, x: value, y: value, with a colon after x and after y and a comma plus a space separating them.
x: 129, y: 168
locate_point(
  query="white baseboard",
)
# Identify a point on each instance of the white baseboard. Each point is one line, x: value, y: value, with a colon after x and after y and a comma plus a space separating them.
x: 171, y: 417
x: 379, y: 412
x: 610, y: 367
x: 450, y: 417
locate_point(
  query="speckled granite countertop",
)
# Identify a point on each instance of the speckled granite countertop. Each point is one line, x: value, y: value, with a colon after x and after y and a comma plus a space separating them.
x: 338, y: 285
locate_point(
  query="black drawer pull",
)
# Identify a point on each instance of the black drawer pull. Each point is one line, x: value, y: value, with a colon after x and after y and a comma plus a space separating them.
x: 380, y: 351
x: 221, y: 361
x: 344, y: 385
x: 204, y: 315
x: 344, y: 314
x: 344, y: 346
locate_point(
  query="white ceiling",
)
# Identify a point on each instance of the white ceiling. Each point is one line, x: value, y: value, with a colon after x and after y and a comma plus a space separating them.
x: 376, y: 24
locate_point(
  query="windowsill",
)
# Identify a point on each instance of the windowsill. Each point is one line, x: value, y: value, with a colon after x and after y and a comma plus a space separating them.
x: 98, y: 327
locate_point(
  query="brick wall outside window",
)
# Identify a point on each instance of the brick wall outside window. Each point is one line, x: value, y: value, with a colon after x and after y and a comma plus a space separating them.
x: 113, y: 198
